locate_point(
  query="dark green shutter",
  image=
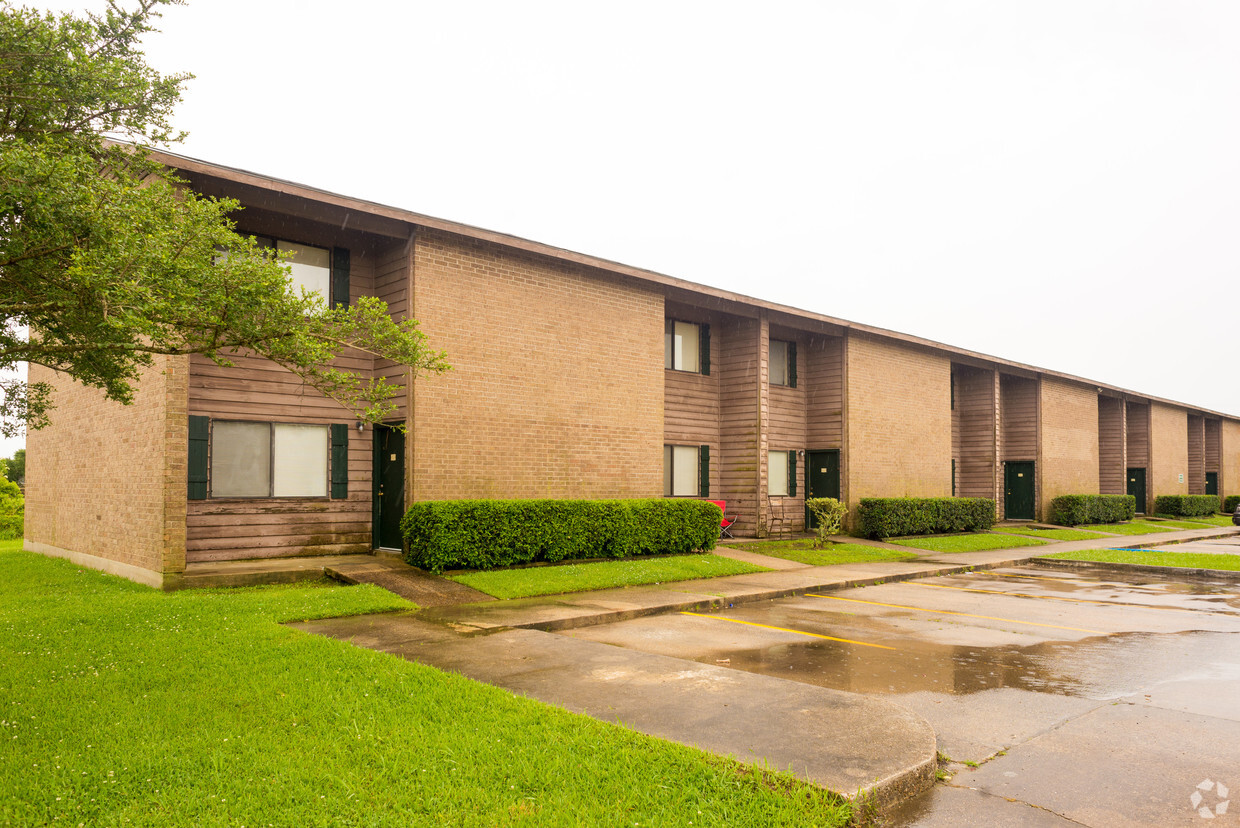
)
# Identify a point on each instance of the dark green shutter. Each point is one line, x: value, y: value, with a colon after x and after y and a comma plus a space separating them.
x: 792, y: 473
x: 704, y: 348
x: 340, y: 460
x: 340, y: 277
x: 792, y: 365
x: 704, y: 471
x: 199, y: 444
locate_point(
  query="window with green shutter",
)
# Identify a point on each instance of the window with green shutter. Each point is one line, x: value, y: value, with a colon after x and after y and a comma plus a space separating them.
x: 340, y: 277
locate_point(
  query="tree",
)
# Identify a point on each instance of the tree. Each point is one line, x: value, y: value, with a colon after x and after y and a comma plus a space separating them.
x: 108, y: 259
x: 15, y: 467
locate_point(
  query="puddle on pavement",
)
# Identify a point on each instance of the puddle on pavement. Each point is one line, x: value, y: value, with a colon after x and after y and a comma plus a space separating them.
x: 1102, y: 668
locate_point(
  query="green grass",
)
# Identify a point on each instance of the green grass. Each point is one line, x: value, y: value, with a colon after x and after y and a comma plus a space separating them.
x: 124, y: 705
x: 579, y: 577
x: 1048, y: 534
x: 1136, y: 527
x: 1149, y: 557
x: 1183, y: 523
x: 1209, y: 520
x: 966, y: 543
x: 803, y: 551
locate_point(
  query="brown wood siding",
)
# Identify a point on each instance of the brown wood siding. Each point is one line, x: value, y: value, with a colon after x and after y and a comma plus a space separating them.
x: 1138, y: 422
x: 1196, y: 454
x: 1112, y: 469
x: 738, y: 417
x: 225, y: 529
x: 973, y: 431
x: 259, y: 390
x: 1214, y: 452
x: 824, y: 392
x: 787, y: 429
x: 1018, y: 420
x: 391, y: 284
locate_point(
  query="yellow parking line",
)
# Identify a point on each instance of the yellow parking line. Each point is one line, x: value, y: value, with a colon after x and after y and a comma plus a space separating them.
x: 950, y: 612
x: 785, y: 629
x: 1015, y: 594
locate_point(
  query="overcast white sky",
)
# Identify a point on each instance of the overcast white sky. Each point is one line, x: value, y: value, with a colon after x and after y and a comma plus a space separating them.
x: 1051, y: 182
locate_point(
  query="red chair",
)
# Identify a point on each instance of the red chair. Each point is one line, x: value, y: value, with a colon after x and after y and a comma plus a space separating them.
x: 727, y: 521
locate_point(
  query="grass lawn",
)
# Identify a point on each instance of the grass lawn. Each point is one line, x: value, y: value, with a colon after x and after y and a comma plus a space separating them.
x: 1149, y: 557
x: 1049, y: 534
x: 579, y: 577
x: 966, y: 543
x: 803, y: 551
x: 1136, y: 527
x: 1209, y: 520
x: 124, y: 705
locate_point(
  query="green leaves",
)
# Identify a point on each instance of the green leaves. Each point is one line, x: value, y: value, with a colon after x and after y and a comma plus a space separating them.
x: 109, y: 259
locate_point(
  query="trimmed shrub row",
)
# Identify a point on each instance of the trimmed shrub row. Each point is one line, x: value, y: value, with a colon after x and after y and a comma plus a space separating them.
x: 1073, y: 510
x: 12, y: 527
x: 489, y: 534
x: 1186, y: 505
x: 1230, y: 503
x: 889, y: 517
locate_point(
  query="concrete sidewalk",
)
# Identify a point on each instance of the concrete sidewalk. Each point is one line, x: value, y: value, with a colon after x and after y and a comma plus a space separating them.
x: 583, y: 609
x: 843, y: 741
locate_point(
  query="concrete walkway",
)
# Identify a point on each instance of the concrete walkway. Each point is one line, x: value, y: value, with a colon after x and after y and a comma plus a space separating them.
x: 846, y: 742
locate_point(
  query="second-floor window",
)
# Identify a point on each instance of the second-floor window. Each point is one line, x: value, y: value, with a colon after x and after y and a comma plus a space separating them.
x: 783, y: 363
x: 686, y: 346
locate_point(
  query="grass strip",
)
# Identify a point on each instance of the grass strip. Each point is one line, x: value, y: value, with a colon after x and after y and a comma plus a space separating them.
x: 120, y: 704
x: 581, y: 577
x: 1136, y: 527
x: 1208, y: 520
x: 803, y: 551
x: 1048, y: 534
x: 966, y: 543
x: 1151, y: 557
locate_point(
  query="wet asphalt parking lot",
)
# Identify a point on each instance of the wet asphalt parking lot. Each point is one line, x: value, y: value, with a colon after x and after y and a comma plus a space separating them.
x: 1062, y: 696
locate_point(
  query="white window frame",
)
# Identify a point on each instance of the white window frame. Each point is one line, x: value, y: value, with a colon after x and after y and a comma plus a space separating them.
x: 689, y: 457
x: 784, y: 376
x: 286, y: 449
x: 777, y: 473
x: 676, y: 351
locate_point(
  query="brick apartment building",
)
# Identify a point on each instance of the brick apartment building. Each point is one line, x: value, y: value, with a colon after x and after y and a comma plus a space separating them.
x: 572, y: 377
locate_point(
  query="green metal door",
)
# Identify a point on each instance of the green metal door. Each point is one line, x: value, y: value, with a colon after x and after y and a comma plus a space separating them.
x: 389, y: 492
x: 1018, y: 490
x: 822, y: 479
x: 1136, y: 488
x: 1212, y: 483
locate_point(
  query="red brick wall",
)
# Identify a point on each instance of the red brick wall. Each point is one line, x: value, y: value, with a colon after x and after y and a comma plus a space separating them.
x: 898, y: 421
x: 108, y: 480
x: 557, y: 381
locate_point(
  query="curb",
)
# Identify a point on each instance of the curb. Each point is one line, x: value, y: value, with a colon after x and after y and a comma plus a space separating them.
x: 612, y: 616
x: 1144, y: 569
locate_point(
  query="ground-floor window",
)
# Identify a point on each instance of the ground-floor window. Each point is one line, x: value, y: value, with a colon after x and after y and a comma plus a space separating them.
x: 781, y: 473
x: 686, y: 471
x: 235, y: 458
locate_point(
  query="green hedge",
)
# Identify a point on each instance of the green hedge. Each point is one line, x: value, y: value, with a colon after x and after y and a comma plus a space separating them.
x: 1230, y: 503
x: 489, y: 534
x: 1073, y: 510
x: 12, y: 527
x: 1186, y: 505
x: 889, y: 517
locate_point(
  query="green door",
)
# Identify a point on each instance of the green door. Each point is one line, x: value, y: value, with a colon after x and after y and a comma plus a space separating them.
x: 1136, y: 488
x: 822, y: 479
x: 1212, y: 483
x: 389, y: 492
x: 1018, y: 490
